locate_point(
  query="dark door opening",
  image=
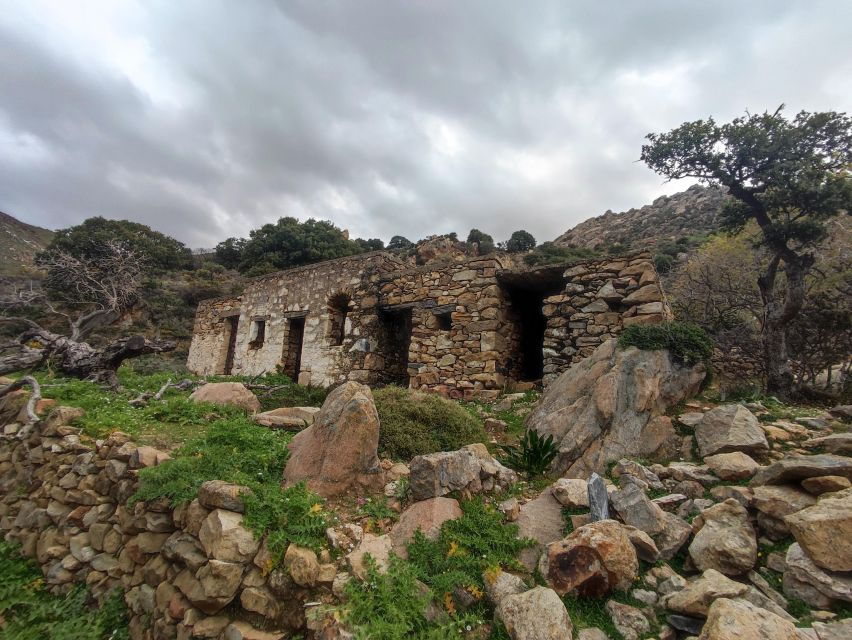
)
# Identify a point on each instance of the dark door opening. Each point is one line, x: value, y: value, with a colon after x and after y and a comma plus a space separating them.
x: 231, y: 327
x: 293, y: 347
x: 394, y: 342
x: 525, y: 294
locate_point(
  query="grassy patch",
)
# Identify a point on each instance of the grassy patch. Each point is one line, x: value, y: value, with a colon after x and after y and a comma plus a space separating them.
x: 29, y: 612
x: 415, y: 423
x: 590, y: 612
x: 465, y: 548
x: 241, y: 452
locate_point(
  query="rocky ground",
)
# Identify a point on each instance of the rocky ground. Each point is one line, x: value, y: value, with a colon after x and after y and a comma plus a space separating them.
x: 741, y: 528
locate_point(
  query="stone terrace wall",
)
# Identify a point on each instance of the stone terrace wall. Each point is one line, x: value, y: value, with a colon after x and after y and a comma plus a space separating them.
x: 190, y: 572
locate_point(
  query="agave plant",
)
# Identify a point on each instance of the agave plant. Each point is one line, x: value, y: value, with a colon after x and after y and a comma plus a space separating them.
x: 532, y: 455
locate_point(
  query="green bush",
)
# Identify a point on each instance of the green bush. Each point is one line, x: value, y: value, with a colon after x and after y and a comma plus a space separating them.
x: 687, y: 343
x: 415, y: 423
x: 663, y: 262
x: 29, y: 612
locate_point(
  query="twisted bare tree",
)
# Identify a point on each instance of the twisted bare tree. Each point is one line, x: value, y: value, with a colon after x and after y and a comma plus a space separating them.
x: 90, y: 293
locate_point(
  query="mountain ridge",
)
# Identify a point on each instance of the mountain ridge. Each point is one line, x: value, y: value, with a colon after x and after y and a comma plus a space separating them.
x: 19, y: 244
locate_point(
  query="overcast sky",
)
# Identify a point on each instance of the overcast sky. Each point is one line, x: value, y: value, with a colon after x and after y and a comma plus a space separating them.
x: 205, y: 118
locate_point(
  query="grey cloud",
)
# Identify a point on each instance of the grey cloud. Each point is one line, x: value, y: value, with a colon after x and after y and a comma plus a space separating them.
x: 386, y: 117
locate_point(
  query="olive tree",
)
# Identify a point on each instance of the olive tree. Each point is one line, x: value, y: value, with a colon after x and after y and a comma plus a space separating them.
x: 789, y: 176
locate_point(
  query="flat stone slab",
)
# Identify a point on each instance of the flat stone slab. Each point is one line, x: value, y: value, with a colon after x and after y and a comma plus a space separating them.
x: 289, y: 418
x: 799, y: 467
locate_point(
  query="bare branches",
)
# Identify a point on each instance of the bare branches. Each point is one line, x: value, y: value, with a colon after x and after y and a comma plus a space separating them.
x: 145, y: 397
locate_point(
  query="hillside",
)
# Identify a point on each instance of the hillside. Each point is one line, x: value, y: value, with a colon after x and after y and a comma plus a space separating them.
x: 688, y: 213
x: 19, y: 242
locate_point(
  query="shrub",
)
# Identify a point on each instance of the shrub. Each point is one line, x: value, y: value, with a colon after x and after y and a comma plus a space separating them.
x: 532, y: 455
x: 663, y: 262
x: 29, y: 612
x: 415, y: 423
x: 466, y: 548
x: 687, y: 343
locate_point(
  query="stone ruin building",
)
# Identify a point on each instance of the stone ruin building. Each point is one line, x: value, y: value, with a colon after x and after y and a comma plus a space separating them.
x: 471, y: 327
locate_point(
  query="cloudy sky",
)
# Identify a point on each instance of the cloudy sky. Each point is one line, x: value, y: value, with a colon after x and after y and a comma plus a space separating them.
x: 207, y: 118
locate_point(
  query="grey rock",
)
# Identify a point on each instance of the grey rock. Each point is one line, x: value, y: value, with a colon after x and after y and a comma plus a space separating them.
x: 728, y: 428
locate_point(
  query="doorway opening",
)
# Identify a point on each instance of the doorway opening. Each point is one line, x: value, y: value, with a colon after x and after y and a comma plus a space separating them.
x: 293, y: 347
x: 394, y: 342
x: 231, y: 323
x: 525, y: 294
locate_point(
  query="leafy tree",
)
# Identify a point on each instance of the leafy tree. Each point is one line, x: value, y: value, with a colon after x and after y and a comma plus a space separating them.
x: 291, y: 243
x: 789, y: 176
x: 520, y: 241
x: 157, y: 251
x: 373, y: 244
x: 483, y: 240
x: 230, y: 252
x: 400, y: 242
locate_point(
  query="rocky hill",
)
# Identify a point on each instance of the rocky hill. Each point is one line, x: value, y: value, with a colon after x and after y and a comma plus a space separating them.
x: 691, y: 212
x: 19, y: 243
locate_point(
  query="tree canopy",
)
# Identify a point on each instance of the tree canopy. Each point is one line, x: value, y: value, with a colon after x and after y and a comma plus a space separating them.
x: 400, y: 242
x: 520, y: 241
x: 485, y: 241
x: 789, y: 176
x: 157, y: 251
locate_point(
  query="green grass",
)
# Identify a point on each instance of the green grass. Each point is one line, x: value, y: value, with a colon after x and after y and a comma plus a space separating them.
x: 415, y: 423
x: 29, y: 612
x: 590, y: 612
x: 236, y: 450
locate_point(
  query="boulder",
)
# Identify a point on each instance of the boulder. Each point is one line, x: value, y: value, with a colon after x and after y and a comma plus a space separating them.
x: 735, y: 619
x: 499, y: 584
x: 470, y: 470
x: 216, y: 494
x: 427, y: 516
x: 593, y: 560
x: 834, y: 630
x: 725, y: 540
x: 824, y: 530
x: 695, y: 599
x: 646, y: 548
x: 290, y: 418
x: 675, y: 534
x: 825, y: 484
x: 834, y: 443
x: 637, y: 510
x: 611, y: 405
x: 778, y: 501
x: 340, y: 450
x: 302, y: 564
x: 633, y: 468
x: 540, y: 520
x: 732, y: 466
x: 378, y: 547
x: 537, y: 614
x: 728, y: 428
x: 801, y: 567
x: 629, y: 621
x: 224, y: 537
x: 796, y: 467
x: 571, y: 492
x: 234, y: 394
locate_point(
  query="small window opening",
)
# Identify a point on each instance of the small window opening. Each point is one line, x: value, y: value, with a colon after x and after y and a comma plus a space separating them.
x: 338, y: 307
x: 257, y: 334
x: 445, y: 321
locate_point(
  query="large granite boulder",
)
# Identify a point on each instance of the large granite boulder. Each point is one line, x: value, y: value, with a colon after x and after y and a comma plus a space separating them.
x: 537, y: 614
x: 824, y: 530
x: 228, y: 393
x: 340, y: 450
x: 470, y: 469
x: 593, y: 560
x: 823, y: 586
x: 735, y: 619
x: 798, y: 467
x: 729, y: 428
x: 611, y: 405
x: 725, y: 540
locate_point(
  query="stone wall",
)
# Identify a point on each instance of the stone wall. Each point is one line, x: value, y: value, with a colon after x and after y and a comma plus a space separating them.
x: 189, y: 572
x: 463, y: 327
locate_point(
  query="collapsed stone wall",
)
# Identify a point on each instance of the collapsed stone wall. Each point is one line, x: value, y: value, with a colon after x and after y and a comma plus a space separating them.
x: 190, y: 572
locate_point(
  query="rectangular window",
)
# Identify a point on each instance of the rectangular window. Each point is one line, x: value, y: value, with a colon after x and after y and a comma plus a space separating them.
x: 257, y: 334
x: 445, y: 321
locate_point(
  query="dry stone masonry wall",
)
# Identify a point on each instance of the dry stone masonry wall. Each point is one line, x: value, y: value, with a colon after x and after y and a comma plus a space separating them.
x: 463, y: 328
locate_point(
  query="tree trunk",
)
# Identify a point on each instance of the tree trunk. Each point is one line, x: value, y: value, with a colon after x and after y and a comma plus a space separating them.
x: 79, y: 359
